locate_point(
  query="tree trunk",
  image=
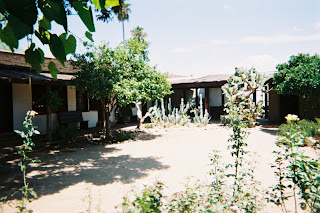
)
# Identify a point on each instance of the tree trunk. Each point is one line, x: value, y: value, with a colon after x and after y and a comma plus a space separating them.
x: 108, y: 124
x: 139, y: 115
x: 104, y: 126
x: 123, y: 30
x: 49, y: 129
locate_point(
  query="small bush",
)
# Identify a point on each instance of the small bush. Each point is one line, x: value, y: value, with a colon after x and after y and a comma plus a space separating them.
x: 64, y: 133
x: 120, y: 136
x: 148, y: 200
x: 149, y: 126
x: 309, y: 128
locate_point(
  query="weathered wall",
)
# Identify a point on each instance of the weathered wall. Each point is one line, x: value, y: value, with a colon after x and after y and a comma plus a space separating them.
x: 72, y: 98
x: 274, y: 107
x: 309, y: 108
x: 41, y: 122
x: 21, y: 103
x: 91, y: 117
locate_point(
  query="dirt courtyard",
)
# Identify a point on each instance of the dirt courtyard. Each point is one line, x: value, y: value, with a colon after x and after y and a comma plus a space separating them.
x: 97, y: 177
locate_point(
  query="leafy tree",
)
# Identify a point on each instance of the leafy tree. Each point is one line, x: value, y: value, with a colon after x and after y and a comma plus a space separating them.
x: 97, y: 77
x: 120, y: 76
x: 139, y: 82
x: 300, y: 76
x: 32, y: 19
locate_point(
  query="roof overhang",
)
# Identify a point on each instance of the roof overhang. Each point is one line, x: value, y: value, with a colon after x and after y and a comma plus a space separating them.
x: 24, y: 77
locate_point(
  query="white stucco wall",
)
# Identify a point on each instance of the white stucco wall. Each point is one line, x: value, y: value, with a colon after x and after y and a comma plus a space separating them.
x: 41, y: 122
x: 72, y: 100
x: 71, y: 94
x: 91, y: 117
x: 21, y: 103
x: 113, y: 115
x: 215, y: 97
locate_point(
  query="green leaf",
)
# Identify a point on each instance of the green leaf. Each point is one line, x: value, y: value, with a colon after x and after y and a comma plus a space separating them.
x: 53, y: 69
x: 89, y: 36
x: 69, y: 44
x: 57, y: 48
x: 100, y: 4
x: 11, y: 34
x: 26, y: 11
x: 9, y: 38
x: 45, y: 24
x: 41, y: 54
x: 85, y: 14
x: 44, y: 36
x: 54, y: 11
x: 112, y: 3
x: 34, y: 57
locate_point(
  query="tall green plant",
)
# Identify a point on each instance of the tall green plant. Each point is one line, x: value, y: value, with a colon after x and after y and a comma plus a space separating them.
x: 174, y: 117
x: 238, y: 92
x: 201, y: 119
x: 26, y: 135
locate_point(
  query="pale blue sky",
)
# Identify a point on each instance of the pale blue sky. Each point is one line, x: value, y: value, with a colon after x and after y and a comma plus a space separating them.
x: 214, y: 36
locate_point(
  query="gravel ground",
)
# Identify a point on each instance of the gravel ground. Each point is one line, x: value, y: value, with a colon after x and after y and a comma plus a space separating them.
x: 96, y: 178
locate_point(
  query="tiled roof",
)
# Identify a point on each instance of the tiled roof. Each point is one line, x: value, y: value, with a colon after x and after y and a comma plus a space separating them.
x: 205, y: 79
x: 24, y: 76
x: 17, y: 60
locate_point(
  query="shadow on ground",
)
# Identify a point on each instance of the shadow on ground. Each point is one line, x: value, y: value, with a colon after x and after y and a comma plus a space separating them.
x: 272, y: 131
x: 60, y: 169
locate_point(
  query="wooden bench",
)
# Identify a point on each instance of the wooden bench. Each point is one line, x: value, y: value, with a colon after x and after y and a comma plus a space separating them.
x: 72, y: 117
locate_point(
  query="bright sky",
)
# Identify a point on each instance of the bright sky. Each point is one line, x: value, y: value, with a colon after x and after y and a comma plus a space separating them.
x: 214, y: 36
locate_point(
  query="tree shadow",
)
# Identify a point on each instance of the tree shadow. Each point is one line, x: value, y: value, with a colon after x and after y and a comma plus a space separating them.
x: 145, y: 136
x: 272, y: 131
x: 60, y: 169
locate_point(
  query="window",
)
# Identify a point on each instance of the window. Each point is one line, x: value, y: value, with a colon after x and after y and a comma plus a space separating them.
x: 39, y: 98
x: 62, y: 91
x: 82, y: 102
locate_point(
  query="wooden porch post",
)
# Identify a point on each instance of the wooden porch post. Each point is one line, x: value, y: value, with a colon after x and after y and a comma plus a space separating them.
x: 48, y: 116
x: 206, y: 99
x: 197, y: 98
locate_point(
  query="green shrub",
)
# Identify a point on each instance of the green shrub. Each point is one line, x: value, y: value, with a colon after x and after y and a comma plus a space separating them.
x: 298, y: 174
x: 120, y: 136
x: 149, y: 126
x: 64, y: 133
x: 149, y: 200
x: 309, y: 128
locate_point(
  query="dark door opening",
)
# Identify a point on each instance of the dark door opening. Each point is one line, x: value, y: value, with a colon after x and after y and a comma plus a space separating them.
x: 289, y: 104
x: 6, y: 116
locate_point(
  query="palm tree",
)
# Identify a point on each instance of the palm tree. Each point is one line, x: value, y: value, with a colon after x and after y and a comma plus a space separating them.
x: 123, y: 14
x: 138, y: 33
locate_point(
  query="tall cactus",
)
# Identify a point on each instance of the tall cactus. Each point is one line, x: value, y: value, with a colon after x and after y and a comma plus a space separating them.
x: 199, y: 118
x: 176, y: 116
x: 239, y: 90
